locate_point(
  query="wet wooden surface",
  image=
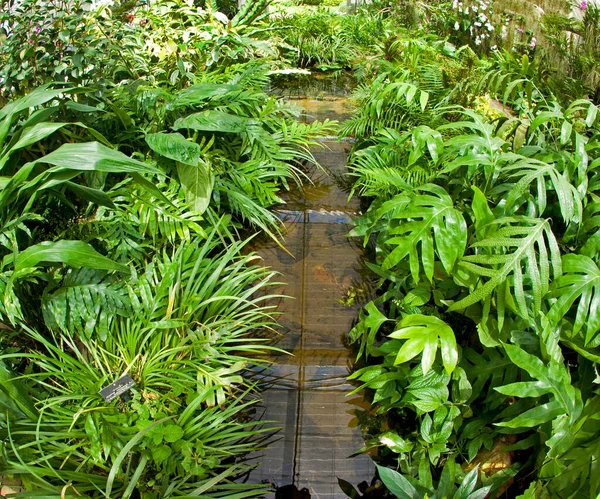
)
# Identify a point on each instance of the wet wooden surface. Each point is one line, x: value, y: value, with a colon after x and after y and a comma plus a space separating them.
x: 307, y: 394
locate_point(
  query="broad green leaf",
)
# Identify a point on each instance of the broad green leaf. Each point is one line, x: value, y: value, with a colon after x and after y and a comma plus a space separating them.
x: 172, y: 433
x: 468, y: 485
x: 417, y: 224
x: 482, y: 212
x: 30, y: 136
x: 201, y: 92
x: 73, y: 253
x: 161, y: 453
x: 36, y: 133
x: 488, y: 370
x: 591, y: 114
x: 395, y: 442
x: 370, y: 320
x: 17, y: 393
x: 524, y: 389
x: 423, y: 334
x: 96, y: 196
x: 92, y: 156
x: 214, y: 121
x: 579, y: 283
x: 176, y: 147
x: 555, y: 376
x: 35, y: 98
x: 397, y: 484
x: 536, y: 416
x: 197, y: 183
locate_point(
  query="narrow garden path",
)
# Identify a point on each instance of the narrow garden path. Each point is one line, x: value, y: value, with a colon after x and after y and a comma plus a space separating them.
x: 307, y: 395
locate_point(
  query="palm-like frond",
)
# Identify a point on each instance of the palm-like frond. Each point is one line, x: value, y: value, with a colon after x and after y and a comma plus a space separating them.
x: 86, y: 301
x: 396, y: 161
x: 520, y: 248
x: 386, y: 105
x: 580, y: 283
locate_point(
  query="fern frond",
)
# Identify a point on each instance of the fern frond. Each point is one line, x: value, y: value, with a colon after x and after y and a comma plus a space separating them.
x: 86, y: 302
x: 523, y: 249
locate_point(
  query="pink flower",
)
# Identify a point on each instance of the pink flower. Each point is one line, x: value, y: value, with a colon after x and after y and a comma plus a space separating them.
x: 583, y: 5
x: 520, y: 30
x: 533, y: 43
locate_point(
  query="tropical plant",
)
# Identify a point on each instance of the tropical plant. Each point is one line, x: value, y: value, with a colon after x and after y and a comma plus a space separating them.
x: 185, y: 343
x: 486, y: 251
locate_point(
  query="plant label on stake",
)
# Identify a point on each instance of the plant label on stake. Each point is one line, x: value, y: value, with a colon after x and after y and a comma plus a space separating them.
x: 119, y: 387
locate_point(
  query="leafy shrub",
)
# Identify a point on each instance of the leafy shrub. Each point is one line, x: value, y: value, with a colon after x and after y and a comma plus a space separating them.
x: 48, y: 43
x: 486, y: 256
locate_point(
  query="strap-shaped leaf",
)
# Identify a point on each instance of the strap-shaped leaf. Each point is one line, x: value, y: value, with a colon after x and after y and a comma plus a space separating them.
x: 423, y: 334
x: 73, y: 253
x: 515, y: 246
x: 580, y: 283
x: 420, y: 220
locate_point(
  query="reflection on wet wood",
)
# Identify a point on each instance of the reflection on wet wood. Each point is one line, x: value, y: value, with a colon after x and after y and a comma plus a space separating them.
x: 306, y: 392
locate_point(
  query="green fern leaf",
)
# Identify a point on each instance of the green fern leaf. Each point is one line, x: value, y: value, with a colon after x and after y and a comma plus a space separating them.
x: 529, y: 171
x: 580, y: 283
x: 418, y: 221
x: 514, y: 246
x: 86, y: 302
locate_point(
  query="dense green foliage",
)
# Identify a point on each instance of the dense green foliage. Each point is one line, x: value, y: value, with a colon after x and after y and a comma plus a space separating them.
x: 482, y: 341
x: 123, y: 210
x: 138, y: 146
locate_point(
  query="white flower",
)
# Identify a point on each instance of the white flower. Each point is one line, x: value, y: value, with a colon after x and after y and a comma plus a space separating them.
x: 467, y: 10
x: 504, y: 32
x: 477, y: 23
x: 455, y: 4
x: 460, y: 9
x: 471, y: 30
x: 482, y: 18
x: 456, y: 25
x: 489, y: 27
x: 477, y: 41
x: 494, y: 47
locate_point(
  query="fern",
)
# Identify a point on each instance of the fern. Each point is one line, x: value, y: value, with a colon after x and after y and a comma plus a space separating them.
x: 397, y: 161
x: 580, y: 283
x: 86, y: 302
x: 386, y: 105
x: 514, y: 247
x: 414, y: 221
x: 528, y: 171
